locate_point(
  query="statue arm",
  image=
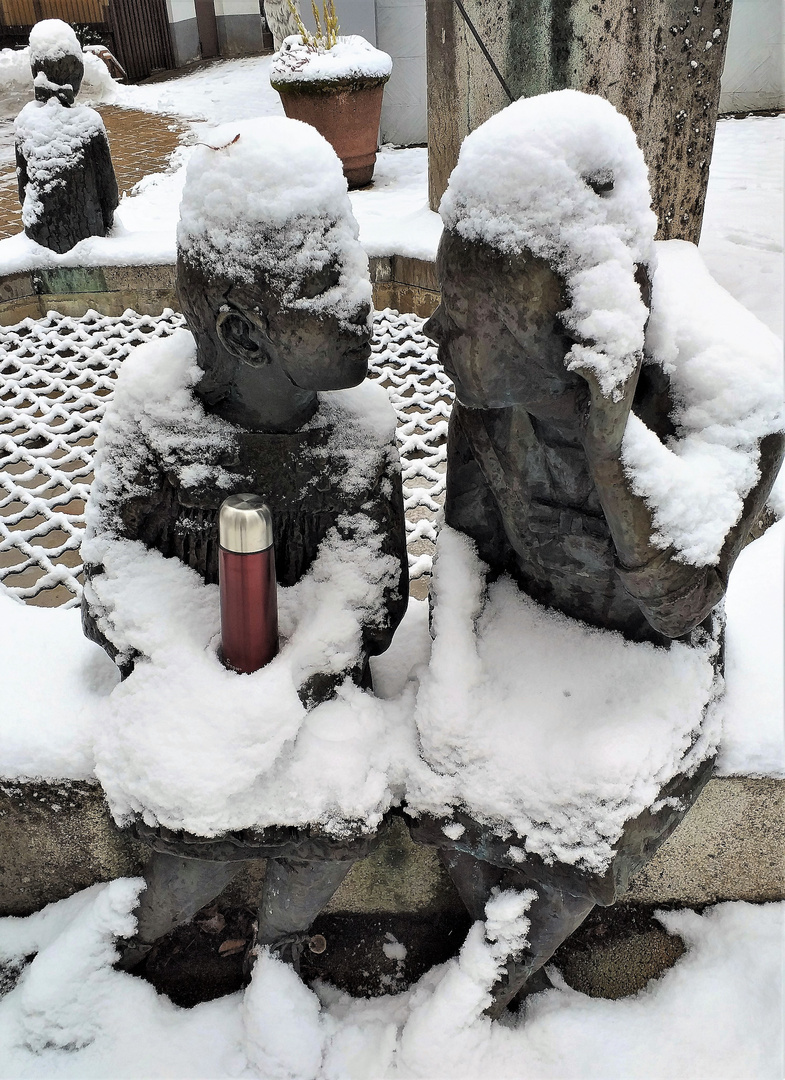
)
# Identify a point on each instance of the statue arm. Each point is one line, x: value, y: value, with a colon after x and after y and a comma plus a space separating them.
x: 391, y: 524
x: 22, y: 178
x: 106, y: 180
x: 674, y: 596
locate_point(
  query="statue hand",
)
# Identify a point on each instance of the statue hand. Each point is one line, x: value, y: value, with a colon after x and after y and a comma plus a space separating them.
x: 604, y: 420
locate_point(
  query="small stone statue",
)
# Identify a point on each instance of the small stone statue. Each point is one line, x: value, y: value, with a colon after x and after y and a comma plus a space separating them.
x: 541, y: 459
x: 274, y: 287
x: 67, y: 185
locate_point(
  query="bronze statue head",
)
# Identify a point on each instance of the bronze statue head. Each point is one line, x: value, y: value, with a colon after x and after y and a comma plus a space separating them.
x: 285, y: 312
x: 56, y: 61
x: 499, y: 333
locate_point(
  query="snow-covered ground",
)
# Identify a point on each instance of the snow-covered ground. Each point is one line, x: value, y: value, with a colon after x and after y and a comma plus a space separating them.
x: 716, y: 1015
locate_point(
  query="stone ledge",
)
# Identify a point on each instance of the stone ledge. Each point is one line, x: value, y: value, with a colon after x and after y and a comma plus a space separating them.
x: 398, y: 282
x: 57, y: 838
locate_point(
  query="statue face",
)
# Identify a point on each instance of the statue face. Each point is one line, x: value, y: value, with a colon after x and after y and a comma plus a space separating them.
x: 263, y: 359
x: 62, y: 73
x: 498, y: 333
x: 316, y: 350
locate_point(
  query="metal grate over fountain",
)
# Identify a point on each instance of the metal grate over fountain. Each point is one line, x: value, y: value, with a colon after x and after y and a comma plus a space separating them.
x: 56, y: 378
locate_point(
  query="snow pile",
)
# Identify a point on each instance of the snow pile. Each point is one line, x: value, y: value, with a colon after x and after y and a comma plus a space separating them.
x: 536, y: 723
x: 743, y: 227
x: 184, y: 741
x: 16, y: 81
x: 753, y: 707
x: 716, y: 1015
x: 52, y: 39
x: 524, y: 182
x: 352, y: 59
x: 52, y: 138
x: 726, y: 377
x: 268, y: 198
x: 54, y: 689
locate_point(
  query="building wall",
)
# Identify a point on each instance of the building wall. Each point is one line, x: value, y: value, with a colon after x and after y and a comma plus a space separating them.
x: 354, y: 17
x: 753, y: 74
x: 239, y: 27
x: 400, y: 31
x: 184, y: 32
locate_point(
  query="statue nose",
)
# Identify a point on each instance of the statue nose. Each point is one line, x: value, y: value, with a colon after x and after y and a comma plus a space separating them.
x: 361, y: 315
x: 433, y: 326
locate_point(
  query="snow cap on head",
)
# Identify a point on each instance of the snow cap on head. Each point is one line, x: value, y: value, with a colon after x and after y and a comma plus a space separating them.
x: 53, y: 39
x: 268, y: 197
x: 561, y: 175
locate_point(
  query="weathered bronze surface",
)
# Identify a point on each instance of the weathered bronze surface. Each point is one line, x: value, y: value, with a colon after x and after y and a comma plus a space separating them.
x: 534, y: 477
x: 264, y: 362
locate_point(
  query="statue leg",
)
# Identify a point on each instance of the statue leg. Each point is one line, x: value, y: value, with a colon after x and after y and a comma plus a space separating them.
x: 553, y: 915
x: 294, y: 892
x: 175, y: 890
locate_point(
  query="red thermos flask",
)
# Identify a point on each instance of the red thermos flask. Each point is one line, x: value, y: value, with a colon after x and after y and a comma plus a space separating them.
x: 246, y: 576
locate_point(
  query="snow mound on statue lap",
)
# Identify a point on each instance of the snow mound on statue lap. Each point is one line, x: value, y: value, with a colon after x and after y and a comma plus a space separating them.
x: 522, y: 182
x: 351, y: 58
x: 53, y: 39
x: 726, y: 377
x: 268, y: 198
x: 536, y: 723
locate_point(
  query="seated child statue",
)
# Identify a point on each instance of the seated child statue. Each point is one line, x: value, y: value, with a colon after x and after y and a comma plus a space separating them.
x: 274, y: 287
x: 569, y: 455
x: 67, y: 185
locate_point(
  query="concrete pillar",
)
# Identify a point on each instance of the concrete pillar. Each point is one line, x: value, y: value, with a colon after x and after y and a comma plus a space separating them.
x: 239, y: 27
x: 184, y: 31
x: 658, y: 61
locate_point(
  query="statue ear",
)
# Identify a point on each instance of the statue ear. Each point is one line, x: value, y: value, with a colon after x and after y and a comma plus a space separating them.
x: 244, y: 335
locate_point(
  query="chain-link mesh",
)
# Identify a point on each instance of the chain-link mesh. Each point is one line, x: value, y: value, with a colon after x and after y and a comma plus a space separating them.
x: 57, y: 375
x: 405, y: 362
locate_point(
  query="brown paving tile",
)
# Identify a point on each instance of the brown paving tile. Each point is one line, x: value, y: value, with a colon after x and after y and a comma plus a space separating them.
x: 141, y: 143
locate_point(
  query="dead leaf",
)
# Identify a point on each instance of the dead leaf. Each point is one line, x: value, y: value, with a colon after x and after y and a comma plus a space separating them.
x: 232, y: 946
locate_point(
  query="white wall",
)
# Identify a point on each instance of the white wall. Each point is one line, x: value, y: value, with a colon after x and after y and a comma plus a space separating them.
x: 180, y: 10
x: 400, y: 31
x: 354, y: 17
x: 236, y: 7
x: 753, y: 74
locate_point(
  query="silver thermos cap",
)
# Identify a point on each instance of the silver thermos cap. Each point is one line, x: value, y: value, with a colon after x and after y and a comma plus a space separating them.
x: 245, y: 524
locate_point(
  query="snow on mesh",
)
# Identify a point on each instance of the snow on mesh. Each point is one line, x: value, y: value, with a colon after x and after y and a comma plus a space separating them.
x: 52, y: 139
x: 406, y: 363
x: 352, y: 57
x: 56, y: 377
x: 523, y: 182
x: 268, y: 197
x: 54, y: 39
x: 725, y: 371
x: 534, y: 722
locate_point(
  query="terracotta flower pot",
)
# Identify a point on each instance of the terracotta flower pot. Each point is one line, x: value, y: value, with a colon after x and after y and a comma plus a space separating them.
x: 347, y: 115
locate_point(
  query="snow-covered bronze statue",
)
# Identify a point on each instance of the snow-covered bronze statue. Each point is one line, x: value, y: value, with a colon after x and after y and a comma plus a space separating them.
x: 211, y: 767
x: 67, y: 185
x: 616, y: 434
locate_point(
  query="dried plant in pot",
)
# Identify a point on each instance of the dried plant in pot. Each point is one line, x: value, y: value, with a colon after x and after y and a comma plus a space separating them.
x: 336, y: 84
